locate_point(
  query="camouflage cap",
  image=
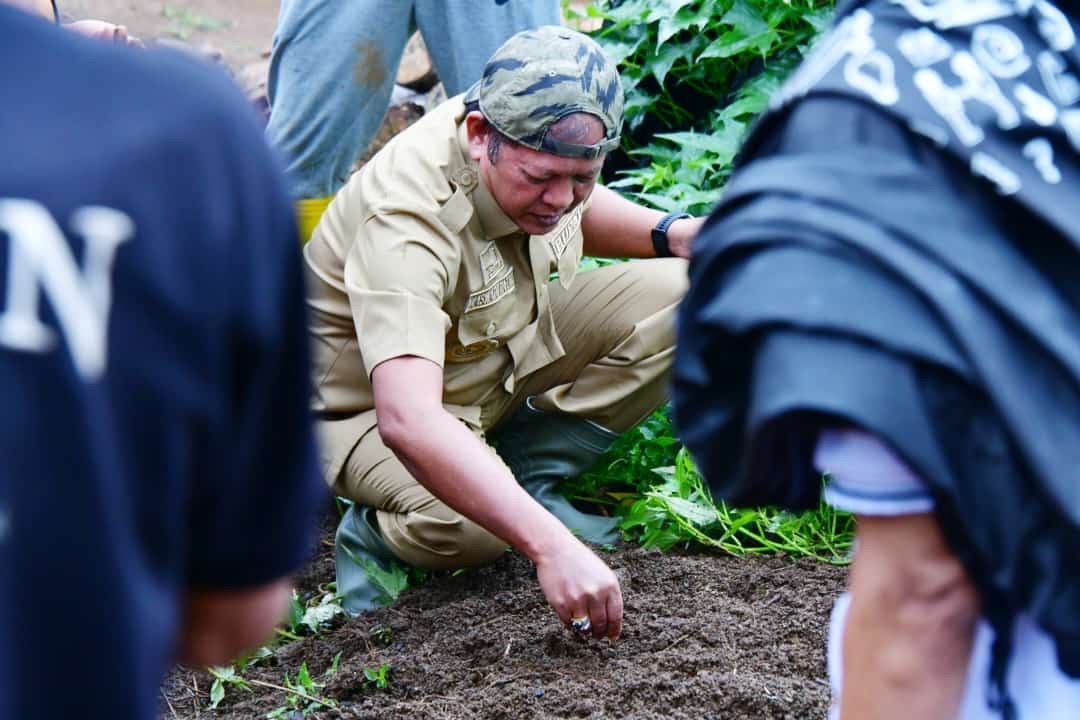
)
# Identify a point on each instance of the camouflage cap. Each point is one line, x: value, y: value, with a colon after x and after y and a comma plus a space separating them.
x: 538, y: 77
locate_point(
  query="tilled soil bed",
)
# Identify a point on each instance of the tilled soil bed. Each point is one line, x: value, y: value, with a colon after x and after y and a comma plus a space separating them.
x: 705, y: 636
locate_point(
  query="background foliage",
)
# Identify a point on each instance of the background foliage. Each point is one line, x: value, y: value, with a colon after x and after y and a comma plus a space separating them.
x: 696, y: 73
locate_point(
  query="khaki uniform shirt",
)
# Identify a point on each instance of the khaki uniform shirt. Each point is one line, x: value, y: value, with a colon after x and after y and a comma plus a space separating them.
x: 415, y: 257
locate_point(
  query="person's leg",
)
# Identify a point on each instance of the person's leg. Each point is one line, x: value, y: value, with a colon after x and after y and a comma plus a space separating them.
x: 910, y: 619
x: 462, y: 34
x: 332, y: 69
x: 910, y: 625
x: 394, y: 516
x: 616, y: 325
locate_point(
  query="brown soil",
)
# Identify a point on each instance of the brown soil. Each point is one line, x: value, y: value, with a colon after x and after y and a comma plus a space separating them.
x: 705, y: 636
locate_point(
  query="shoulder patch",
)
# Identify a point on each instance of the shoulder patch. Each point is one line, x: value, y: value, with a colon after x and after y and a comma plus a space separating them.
x: 491, y: 262
x: 561, y: 237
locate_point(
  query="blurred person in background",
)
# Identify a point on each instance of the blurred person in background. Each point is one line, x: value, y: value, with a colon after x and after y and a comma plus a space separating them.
x: 889, y: 293
x: 333, y: 65
x: 158, y: 478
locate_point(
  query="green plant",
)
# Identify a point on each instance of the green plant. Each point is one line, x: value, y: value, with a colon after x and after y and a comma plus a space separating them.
x: 377, y: 677
x: 669, y: 50
x: 688, y: 169
x: 302, y: 694
x: 224, y: 676
x: 695, y: 74
x: 625, y: 471
x: 313, y: 616
x: 649, y: 480
x: 681, y: 509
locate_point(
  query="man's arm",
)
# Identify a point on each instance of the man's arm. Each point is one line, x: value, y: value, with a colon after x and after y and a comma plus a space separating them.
x: 616, y: 227
x: 456, y: 466
x: 256, y: 490
x: 218, y: 626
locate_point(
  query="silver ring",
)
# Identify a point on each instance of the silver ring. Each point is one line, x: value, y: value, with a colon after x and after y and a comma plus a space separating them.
x: 580, y: 625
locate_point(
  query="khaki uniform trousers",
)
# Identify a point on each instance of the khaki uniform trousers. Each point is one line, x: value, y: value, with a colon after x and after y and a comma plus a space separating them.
x: 616, y: 325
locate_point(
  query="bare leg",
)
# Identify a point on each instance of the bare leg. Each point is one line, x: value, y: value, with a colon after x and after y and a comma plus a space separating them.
x: 911, y: 623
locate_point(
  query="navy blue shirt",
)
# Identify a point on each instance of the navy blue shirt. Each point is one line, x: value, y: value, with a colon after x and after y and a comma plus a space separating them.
x: 154, y: 431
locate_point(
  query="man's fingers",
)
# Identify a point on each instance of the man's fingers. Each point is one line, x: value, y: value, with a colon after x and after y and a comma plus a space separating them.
x: 614, y: 614
x: 599, y: 617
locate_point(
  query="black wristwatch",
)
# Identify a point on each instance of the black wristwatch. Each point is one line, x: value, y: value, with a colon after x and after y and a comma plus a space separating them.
x: 660, y: 241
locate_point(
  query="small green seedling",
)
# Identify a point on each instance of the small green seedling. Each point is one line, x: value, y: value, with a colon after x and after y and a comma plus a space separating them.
x: 383, y: 634
x: 224, y: 676
x: 303, y: 693
x: 376, y: 677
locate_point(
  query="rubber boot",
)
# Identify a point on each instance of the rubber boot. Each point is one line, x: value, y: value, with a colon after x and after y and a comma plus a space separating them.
x: 358, y: 542
x: 543, y: 449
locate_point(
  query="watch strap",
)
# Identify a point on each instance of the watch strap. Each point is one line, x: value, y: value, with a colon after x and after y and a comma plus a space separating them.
x: 660, y: 241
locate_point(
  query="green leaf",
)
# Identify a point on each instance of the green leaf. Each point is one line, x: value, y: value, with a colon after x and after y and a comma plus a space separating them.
x: 661, y: 202
x: 217, y: 693
x: 674, y: 20
x: 377, y: 676
x: 745, y: 18
x: 332, y: 670
x: 296, y: 612
x: 303, y: 677
x: 735, y: 42
x: 662, y: 63
x: 316, y: 616
x: 819, y: 19
x: 692, y: 511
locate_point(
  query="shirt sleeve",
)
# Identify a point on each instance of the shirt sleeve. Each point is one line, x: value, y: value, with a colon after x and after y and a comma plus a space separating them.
x: 258, y: 489
x: 399, y: 274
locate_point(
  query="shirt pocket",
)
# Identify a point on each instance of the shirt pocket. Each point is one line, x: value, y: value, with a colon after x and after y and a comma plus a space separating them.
x: 487, y: 319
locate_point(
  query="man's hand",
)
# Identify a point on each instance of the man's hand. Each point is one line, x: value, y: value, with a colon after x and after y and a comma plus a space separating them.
x: 577, y: 584
x: 459, y: 469
x: 101, y: 30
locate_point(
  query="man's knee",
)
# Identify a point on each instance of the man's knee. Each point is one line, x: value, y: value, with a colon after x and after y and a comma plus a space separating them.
x: 932, y: 601
x: 662, y: 282
x: 650, y: 293
x: 917, y: 591
x: 440, y: 539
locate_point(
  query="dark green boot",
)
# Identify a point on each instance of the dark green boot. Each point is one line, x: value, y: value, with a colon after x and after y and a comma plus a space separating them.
x: 543, y: 449
x: 358, y: 542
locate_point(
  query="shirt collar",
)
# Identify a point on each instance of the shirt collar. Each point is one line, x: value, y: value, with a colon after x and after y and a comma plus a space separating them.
x: 493, y: 220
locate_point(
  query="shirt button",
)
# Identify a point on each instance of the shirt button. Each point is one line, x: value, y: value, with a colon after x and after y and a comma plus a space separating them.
x: 543, y: 290
x: 490, y: 330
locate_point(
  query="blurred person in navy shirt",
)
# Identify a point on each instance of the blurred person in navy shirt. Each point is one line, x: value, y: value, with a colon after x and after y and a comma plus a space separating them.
x: 158, y: 480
